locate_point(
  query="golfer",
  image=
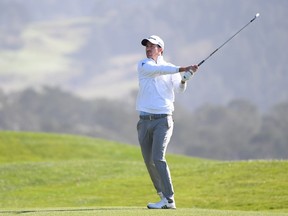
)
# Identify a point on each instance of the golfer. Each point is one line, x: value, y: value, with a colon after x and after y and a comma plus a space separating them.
x: 158, y: 80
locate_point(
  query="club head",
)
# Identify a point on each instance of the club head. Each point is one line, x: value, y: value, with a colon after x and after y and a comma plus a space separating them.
x: 257, y: 15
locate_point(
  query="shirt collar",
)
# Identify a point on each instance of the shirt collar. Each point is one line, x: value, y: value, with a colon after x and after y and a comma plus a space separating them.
x: 160, y: 59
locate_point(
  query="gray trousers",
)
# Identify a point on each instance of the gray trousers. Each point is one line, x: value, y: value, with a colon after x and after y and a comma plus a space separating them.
x: 154, y: 136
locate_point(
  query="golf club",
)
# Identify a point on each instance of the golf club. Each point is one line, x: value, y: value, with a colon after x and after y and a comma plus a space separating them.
x: 257, y: 15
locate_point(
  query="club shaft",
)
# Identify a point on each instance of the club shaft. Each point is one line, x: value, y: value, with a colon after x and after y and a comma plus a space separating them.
x: 200, y: 63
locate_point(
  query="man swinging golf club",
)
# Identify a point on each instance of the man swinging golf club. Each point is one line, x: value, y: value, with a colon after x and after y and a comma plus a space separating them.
x: 158, y: 80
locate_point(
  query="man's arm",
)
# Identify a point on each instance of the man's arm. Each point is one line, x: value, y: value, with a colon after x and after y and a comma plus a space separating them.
x: 191, y: 68
x: 150, y: 69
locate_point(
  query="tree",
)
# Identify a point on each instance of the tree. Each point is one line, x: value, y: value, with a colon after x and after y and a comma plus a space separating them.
x: 272, y: 139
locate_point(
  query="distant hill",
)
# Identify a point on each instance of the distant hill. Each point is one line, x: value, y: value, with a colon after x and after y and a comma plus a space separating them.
x: 236, y: 131
x: 40, y: 170
x: 92, y: 48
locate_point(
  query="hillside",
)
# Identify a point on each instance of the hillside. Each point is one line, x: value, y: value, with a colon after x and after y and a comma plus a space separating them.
x: 53, y: 170
x: 237, y: 131
x: 92, y: 49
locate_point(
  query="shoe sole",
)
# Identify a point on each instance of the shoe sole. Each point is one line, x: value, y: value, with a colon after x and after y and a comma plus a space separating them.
x: 163, y: 207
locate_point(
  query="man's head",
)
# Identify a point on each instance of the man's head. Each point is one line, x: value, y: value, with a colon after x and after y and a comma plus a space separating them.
x: 154, y: 39
x: 154, y: 46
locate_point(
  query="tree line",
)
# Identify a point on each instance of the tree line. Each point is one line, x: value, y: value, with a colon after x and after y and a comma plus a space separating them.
x: 235, y: 131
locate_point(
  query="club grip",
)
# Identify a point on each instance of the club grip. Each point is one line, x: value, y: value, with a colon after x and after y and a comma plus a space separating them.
x: 201, y: 63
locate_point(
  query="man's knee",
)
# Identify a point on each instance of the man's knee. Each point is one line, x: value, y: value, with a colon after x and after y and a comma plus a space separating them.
x: 159, y: 161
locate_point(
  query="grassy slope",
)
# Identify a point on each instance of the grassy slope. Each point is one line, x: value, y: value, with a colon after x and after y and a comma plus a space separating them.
x: 51, y: 171
x: 46, y: 53
x: 44, y: 49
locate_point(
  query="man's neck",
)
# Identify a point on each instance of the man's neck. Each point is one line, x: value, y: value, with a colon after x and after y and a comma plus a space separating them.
x: 157, y: 58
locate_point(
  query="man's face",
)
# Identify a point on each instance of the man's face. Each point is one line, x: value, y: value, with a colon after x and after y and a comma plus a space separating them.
x: 153, y: 51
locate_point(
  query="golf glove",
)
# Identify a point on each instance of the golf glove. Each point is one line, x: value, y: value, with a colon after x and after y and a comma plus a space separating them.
x: 187, y: 75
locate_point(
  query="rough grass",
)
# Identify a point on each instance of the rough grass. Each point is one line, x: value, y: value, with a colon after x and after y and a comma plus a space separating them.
x: 53, y: 171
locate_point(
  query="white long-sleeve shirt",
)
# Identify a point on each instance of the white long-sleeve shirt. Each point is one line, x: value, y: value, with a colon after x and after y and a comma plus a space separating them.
x: 157, y: 83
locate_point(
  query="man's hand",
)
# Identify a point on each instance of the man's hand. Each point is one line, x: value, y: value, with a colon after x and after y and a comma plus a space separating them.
x: 186, y: 76
x: 192, y: 68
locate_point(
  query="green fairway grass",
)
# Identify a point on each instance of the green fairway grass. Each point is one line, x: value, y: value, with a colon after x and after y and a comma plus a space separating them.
x: 80, y: 175
x: 126, y: 211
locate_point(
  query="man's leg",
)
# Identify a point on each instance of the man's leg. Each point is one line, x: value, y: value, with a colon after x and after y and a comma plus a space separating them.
x: 145, y: 139
x: 161, y: 137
